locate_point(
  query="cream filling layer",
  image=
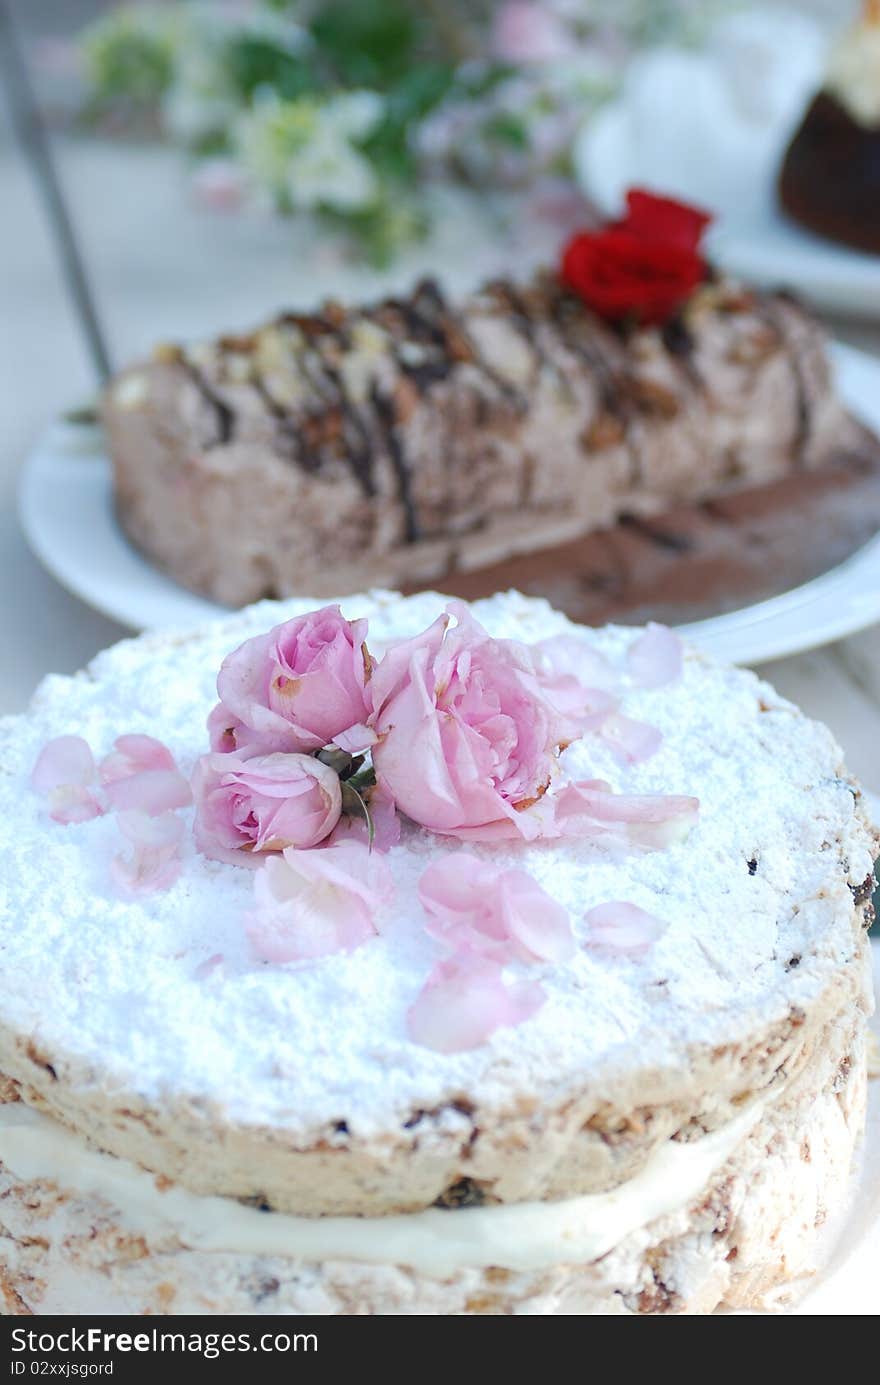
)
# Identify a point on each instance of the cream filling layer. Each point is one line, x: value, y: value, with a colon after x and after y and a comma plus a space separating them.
x: 515, y: 1236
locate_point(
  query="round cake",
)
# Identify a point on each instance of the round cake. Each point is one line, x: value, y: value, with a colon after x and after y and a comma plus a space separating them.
x: 634, y: 1088
x: 830, y: 177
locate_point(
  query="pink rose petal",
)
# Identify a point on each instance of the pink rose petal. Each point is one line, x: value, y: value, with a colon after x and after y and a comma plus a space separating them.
x: 224, y: 729
x: 209, y: 967
x: 464, y: 1000
x: 656, y: 657
x: 153, y: 832
x: 500, y: 914
x: 132, y: 754
x: 539, y: 924
x: 587, y: 709
x: 63, y: 772
x: 578, y: 680
x: 63, y: 761
x: 632, y: 741
x: 386, y: 823
x: 72, y: 803
x: 590, y: 809
x: 155, y: 862
x: 308, y: 904
x: 151, y: 791
x: 567, y: 654
x: 622, y: 927
x: 356, y: 739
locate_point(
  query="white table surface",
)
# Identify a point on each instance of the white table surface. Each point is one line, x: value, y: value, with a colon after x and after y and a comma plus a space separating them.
x: 163, y: 268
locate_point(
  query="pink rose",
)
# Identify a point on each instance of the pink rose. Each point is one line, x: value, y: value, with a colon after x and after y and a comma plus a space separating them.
x: 263, y: 804
x: 466, y: 734
x: 300, y: 687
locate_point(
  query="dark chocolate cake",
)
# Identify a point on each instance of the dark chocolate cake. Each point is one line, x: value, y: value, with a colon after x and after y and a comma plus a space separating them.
x: 830, y: 177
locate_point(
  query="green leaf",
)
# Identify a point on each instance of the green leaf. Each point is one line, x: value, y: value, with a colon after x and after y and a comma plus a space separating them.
x: 363, y: 780
x: 353, y: 802
x: 507, y: 129
x: 367, y: 43
x: 406, y: 103
x: 253, y: 62
x: 480, y: 80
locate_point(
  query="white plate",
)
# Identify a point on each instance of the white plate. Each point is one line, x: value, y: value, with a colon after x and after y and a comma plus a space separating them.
x: 66, y: 509
x: 764, y: 247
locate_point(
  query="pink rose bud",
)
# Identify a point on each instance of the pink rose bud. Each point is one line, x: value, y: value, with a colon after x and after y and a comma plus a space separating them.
x: 298, y: 688
x: 244, y: 807
x: 466, y: 732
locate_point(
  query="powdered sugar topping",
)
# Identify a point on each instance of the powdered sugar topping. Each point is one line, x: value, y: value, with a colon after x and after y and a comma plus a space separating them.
x: 120, y: 987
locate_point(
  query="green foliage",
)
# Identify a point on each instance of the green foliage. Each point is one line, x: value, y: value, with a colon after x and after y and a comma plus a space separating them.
x: 408, y: 101
x: 508, y: 130
x: 283, y: 89
x: 368, y: 43
x: 253, y: 61
x: 130, y: 55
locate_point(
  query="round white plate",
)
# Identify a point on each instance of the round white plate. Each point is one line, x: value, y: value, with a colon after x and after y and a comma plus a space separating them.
x: 66, y: 509
x: 763, y: 247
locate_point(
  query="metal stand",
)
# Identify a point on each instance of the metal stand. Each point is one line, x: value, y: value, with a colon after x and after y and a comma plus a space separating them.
x: 31, y: 132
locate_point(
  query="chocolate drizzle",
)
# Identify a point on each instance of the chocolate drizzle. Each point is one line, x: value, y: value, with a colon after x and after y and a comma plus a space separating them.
x: 386, y: 415
x: 565, y: 310
x: 802, y: 395
x: 223, y: 414
x: 288, y: 436
x: 338, y: 420
x: 360, y: 448
x: 678, y: 339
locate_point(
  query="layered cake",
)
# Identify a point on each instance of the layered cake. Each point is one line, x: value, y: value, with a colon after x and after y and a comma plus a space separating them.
x: 457, y: 960
x: 830, y: 178
x: 419, y: 440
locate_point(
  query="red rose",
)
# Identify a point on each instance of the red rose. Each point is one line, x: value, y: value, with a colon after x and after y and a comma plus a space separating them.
x: 661, y: 219
x: 642, y: 267
x: 620, y: 276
